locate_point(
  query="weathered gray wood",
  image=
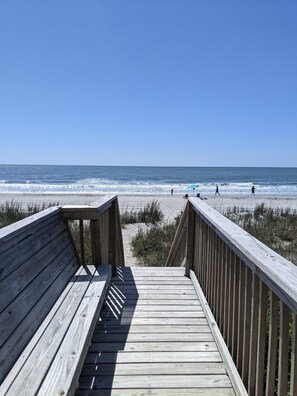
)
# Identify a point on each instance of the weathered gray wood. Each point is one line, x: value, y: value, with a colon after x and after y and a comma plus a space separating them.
x: 96, y: 243
x: 272, y: 344
x: 16, y: 282
x: 154, y: 308
x: 157, y: 392
x: 149, y: 280
x: 15, y: 344
x: 283, y: 361
x: 16, y: 311
x: 152, y: 357
x: 68, y: 362
x: 230, y: 366
x: 161, y: 381
x: 260, y: 372
x: 154, y: 321
x: 154, y: 369
x: 254, y: 254
x: 148, y: 314
x: 293, y: 376
x: 44, y: 350
x: 13, y: 233
x: 153, y: 337
x: 140, y: 329
x: 152, y: 346
x: 138, y: 287
x: 82, y: 241
x: 29, y: 243
x: 254, y: 336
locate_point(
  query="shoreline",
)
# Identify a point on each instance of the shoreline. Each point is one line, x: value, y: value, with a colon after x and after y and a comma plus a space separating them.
x: 171, y: 205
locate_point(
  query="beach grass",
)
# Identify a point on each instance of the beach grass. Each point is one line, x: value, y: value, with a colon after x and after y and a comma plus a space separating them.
x: 152, y: 245
x: 275, y: 227
x: 12, y: 211
x: 150, y: 214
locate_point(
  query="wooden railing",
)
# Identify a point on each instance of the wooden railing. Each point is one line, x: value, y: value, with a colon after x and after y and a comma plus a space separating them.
x: 252, y: 293
x: 105, y: 230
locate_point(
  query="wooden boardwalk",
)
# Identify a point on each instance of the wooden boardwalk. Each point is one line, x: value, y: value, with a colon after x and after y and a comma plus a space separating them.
x: 153, y: 339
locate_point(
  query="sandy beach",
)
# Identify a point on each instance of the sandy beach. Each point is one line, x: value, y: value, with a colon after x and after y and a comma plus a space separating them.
x: 171, y: 205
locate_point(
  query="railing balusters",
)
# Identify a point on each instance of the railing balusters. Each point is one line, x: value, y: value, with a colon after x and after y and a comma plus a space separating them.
x: 260, y: 372
x: 237, y: 275
x: 272, y: 345
x: 240, y: 316
x: 254, y: 335
x: 235, y: 307
x: 283, y: 350
x: 293, y: 373
x: 247, y: 325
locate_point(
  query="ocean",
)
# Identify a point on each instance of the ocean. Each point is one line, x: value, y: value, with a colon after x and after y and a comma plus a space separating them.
x: 62, y: 179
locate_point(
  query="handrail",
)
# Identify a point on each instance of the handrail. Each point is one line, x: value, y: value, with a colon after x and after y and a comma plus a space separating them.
x: 246, y: 284
x: 105, y: 229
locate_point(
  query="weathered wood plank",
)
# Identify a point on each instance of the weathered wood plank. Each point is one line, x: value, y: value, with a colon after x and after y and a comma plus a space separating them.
x: 139, y: 329
x: 151, y: 346
x: 68, y: 362
x: 154, y: 369
x: 152, y: 337
x: 153, y: 308
x: 150, y: 314
x: 254, y: 254
x: 44, y: 350
x: 157, y: 381
x: 146, y: 280
x: 158, y: 392
x: 138, y: 287
x: 31, y: 242
x: 135, y: 302
x: 15, y: 312
x: 152, y: 357
x: 15, y: 344
x: 154, y: 321
x: 16, y: 282
x: 13, y: 233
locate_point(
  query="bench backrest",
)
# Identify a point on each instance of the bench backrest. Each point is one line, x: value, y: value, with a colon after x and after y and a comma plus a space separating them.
x: 37, y: 260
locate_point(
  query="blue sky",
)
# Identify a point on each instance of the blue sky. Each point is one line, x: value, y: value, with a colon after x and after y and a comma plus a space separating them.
x: 148, y: 82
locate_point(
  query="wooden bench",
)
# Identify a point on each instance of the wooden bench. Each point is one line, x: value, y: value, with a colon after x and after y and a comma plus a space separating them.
x: 49, y: 305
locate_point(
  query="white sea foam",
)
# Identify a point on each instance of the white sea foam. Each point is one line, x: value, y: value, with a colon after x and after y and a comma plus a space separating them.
x: 105, y: 186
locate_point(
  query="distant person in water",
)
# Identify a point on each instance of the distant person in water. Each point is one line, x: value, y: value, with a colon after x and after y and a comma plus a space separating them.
x: 217, y: 190
x: 253, y: 190
x: 172, y: 191
x: 186, y: 196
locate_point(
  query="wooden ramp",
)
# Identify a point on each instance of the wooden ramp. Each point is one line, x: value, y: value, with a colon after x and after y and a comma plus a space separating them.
x: 153, y: 339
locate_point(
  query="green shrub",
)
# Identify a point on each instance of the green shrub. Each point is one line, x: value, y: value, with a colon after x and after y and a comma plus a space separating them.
x: 151, y: 246
x: 275, y: 227
x: 11, y: 211
x: 150, y: 214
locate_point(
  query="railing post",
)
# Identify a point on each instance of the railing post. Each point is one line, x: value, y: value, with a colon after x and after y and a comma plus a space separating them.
x: 112, y: 243
x: 82, y: 241
x: 96, y: 242
x: 190, y: 240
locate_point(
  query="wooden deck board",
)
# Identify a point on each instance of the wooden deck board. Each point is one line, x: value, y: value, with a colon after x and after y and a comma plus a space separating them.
x: 153, y: 338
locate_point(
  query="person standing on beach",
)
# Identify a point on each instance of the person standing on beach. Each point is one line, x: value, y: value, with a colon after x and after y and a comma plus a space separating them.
x: 253, y: 190
x: 172, y: 191
x: 217, y: 190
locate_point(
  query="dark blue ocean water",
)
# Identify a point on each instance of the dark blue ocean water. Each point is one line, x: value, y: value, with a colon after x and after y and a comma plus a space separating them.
x: 143, y: 180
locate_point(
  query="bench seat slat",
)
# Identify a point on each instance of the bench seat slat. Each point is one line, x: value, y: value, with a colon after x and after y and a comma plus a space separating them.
x: 78, y: 305
x: 16, y: 343
x: 69, y: 360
